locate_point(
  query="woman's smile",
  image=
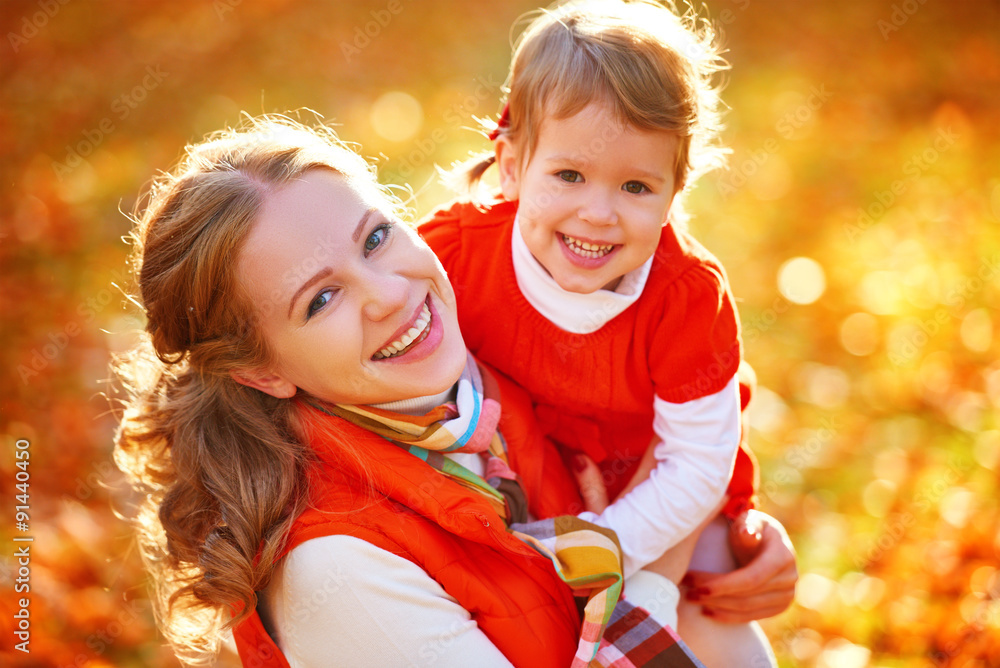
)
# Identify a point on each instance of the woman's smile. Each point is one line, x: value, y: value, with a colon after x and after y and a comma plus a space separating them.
x: 407, y: 344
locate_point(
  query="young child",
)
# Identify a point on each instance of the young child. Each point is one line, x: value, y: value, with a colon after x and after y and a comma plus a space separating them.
x: 580, y: 283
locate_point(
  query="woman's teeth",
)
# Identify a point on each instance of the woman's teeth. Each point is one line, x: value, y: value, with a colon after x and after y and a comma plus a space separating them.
x: 585, y: 249
x: 416, y: 333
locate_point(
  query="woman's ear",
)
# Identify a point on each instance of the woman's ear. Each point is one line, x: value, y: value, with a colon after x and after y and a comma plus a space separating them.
x: 508, y: 163
x: 266, y: 382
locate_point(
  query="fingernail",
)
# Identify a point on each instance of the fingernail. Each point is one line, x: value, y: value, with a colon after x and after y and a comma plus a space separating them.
x: 707, y: 612
x: 696, y: 593
x: 578, y: 464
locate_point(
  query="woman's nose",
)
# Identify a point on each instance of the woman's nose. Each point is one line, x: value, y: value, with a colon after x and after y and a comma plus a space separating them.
x: 384, y: 295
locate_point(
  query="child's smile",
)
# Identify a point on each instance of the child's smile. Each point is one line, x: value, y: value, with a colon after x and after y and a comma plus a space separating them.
x: 587, y: 254
x: 593, y: 196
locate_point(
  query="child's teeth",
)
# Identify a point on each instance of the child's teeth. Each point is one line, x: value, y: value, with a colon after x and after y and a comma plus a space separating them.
x: 587, y: 249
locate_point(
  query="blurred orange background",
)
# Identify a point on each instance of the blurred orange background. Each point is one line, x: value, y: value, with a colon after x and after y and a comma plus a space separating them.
x: 859, y: 222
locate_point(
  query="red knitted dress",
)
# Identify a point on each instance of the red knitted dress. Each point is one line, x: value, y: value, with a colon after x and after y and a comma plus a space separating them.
x: 594, y: 392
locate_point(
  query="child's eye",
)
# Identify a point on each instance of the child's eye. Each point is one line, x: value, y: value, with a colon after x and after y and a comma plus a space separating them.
x: 377, y: 237
x: 570, y: 176
x: 635, y: 188
x: 321, y: 300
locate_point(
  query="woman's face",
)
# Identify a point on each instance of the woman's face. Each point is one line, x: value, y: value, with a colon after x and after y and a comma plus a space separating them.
x: 355, y: 306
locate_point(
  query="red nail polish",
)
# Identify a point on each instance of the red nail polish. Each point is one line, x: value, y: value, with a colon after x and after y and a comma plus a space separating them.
x: 579, y: 463
x: 707, y: 612
x: 696, y: 593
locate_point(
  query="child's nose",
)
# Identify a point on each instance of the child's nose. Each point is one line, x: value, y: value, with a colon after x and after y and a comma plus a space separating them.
x: 599, y: 209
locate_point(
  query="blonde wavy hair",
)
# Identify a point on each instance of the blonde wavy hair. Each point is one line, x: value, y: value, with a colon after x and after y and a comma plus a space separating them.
x: 656, y: 67
x: 219, y: 467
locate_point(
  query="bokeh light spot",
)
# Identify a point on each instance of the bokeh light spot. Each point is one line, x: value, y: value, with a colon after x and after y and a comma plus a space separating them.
x: 936, y: 371
x: 768, y: 411
x: 814, y: 590
x: 801, y: 280
x: 984, y: 579
x: 987, y: 449
x: 992, y: 378
x: 842, y: 653
x: 806, y: 644
x: 977, y: 330
x: 861, y: 591
x: 892, y: 464
x: 859, y: 334
x: 822, y: 385
x: 956, y: 506
x: 922, y: 286
x: 878, y: 497
x: 397, y: 116
x: 880, y: 293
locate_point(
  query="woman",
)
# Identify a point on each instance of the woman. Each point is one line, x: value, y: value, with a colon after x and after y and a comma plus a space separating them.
x: 296, y: 335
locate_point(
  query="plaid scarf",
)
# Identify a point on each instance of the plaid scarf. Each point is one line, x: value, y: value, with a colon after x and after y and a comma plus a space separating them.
x: 587, y: 557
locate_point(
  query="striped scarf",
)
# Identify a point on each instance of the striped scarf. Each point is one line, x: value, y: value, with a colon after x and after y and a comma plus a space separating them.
x: 587, y: 557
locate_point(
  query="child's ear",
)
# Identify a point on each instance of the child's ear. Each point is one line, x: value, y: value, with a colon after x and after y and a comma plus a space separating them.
x: 509, y: 166
x: 266, y: 382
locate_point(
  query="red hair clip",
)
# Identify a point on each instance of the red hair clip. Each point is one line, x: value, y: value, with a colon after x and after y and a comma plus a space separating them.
x: 502, y: 122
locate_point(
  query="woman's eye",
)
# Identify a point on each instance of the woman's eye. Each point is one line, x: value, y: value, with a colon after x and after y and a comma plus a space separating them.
x: 570, y: 176
x: 635, y: 187
x: 376, y: 238
x: 321, y: 300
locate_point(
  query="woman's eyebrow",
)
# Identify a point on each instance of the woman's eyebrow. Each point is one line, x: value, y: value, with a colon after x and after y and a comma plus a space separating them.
x: 361, y: 224
x: 319, y: 275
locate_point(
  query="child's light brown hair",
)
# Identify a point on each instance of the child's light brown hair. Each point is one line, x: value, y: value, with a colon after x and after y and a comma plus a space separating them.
x: 654, y: 66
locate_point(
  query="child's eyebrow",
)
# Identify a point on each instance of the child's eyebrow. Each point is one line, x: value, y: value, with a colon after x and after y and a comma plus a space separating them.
x: 571, y: 158
x: 650, y: 176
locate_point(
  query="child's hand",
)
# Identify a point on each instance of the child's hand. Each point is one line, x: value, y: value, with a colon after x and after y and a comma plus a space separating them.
x: 746, y: 535
x: 590, y: 482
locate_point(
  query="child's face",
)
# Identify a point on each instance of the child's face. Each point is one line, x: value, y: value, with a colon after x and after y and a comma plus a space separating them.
x: 336, y: 281
x: 594, y: 196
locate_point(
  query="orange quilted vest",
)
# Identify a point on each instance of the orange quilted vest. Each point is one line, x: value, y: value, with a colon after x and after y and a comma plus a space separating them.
x: 511, y: 591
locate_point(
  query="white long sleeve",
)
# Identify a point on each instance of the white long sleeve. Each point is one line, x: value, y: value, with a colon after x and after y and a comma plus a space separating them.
x: 694, y: 461
x: 341, y: 601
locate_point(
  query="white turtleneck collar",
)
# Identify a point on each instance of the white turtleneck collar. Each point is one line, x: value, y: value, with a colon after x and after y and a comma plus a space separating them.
x: 572, y: 311
x: 419, y: 405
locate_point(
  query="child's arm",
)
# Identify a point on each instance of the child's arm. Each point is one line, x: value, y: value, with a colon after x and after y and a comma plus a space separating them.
x: 694, y: 461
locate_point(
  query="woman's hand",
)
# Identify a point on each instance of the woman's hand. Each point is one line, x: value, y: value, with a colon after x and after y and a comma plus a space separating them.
x: 761, y: 588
